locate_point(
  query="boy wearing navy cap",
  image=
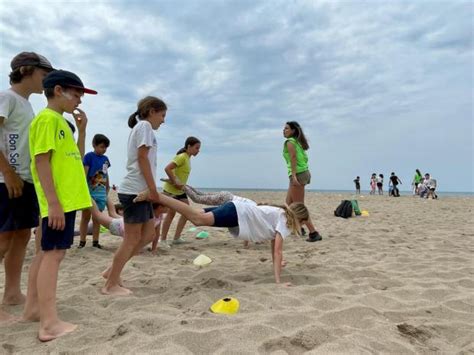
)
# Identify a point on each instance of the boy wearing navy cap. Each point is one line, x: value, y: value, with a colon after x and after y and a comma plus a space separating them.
x: 62, y: 190
x: 18, y: 204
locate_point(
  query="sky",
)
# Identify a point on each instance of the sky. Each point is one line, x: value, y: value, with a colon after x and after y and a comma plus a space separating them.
x: 376, y: 86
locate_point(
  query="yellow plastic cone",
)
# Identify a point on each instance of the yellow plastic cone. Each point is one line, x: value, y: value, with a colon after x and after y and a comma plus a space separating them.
x: 364, y: 213
x: 202, y: 260
x: 226, y: 305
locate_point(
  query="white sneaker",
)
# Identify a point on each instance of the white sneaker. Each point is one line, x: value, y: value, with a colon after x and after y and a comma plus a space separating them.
x: 163, y: 244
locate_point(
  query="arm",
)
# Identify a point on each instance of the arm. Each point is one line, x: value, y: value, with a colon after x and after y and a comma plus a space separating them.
x: 169, y: 171
x: 277, y: 256
x: 13, y: 182
x: 81, y: 124
x: 292, y: 152
x: 145, y: 168
x: 56, y: 218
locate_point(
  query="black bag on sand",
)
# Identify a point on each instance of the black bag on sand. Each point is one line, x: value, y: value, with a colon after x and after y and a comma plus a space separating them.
x: 344, y: 209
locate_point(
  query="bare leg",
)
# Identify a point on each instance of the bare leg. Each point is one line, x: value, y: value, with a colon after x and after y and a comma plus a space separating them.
x: 181, y: 223
x: 95, y: 231
x: 196, y: 216
x: 111, y: 209
x: 167, y: 222
x: 13, y: 266
x: 31, y: 310
x: 131, y: 241
x: 51, y: 327
x: 209, y: 198
x: 85, y: 218
x: 5, y: 240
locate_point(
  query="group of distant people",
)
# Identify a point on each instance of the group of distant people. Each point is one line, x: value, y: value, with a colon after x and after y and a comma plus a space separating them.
x: 423, y: 185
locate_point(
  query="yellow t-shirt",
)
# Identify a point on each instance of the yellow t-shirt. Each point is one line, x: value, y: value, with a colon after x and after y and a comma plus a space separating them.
x: 182, y: 171
x: 49, y: 131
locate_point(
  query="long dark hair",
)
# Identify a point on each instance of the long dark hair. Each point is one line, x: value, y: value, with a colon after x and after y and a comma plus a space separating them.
x: 190, y: 141
x: 144, y: 107
x: 298, y: 134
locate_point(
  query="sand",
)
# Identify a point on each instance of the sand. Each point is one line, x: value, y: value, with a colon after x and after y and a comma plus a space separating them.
x: 399, y: 281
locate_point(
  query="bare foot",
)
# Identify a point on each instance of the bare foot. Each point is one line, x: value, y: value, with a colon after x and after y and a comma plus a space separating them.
x: 7, y: 318
x: 116, y: 291
x: 283, y: 263
x: 106, y: 273
x: 31, y: 313
x: 246, y: 244
x: 14, y: 300
x: 55, y: 331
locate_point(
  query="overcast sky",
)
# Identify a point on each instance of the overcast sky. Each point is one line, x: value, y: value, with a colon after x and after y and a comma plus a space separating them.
x: 377, y: 86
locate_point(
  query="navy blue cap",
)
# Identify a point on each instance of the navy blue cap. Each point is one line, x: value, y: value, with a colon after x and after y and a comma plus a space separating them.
x: 65, y: 79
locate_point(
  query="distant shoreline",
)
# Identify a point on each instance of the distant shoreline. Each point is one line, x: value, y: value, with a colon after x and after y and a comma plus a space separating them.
x: 363, y: 192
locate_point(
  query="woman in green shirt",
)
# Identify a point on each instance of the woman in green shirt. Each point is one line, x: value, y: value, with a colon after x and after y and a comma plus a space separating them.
x: 416, y: 181
x: 294, y: 153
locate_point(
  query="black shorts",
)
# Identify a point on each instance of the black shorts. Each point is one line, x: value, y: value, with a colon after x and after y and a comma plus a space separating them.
x: 18, y: 213
x: 379, y: 184
x: 224, y: 215
x: 54, y: 239
x: 134, y: 213
x: 183, y: 196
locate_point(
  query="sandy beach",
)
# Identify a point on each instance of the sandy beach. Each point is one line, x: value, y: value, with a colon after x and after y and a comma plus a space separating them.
x: 399, y: 281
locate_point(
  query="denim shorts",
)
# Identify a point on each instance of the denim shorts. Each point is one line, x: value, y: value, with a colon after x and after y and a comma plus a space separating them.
x: 18, y: 213
x: 134, y: 213
x: 55, y: 239
x: 224, y: 215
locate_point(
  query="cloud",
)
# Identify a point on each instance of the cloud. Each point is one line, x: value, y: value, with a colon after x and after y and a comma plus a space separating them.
x: 380, y: 79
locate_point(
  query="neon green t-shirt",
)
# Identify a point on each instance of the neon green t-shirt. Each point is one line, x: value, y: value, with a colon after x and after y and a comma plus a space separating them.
x: 301, y: 156
x: 49, y: 131
x: 182, y: 171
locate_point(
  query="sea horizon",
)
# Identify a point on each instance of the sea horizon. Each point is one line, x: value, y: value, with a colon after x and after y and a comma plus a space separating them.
x: 331, y: 191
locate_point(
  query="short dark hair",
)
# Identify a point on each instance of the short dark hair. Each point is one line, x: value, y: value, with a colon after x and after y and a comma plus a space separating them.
x: 100, y: 139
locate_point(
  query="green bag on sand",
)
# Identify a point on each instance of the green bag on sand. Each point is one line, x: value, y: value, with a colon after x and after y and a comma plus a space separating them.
x: 355, y: 207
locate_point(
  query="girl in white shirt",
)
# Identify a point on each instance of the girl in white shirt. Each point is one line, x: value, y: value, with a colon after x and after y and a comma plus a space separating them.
x: 141, y: 170
x: 249, y: 222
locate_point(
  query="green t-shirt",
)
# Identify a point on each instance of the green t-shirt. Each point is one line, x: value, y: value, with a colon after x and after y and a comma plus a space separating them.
x: 301, y: 156
x: 182, y: 171
x: 418, y: 178
x: 49, y: 131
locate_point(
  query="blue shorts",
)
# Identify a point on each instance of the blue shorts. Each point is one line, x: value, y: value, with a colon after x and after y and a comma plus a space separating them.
x: 133, y: 213
x: 18, y: 213
x: 54, y: 239
x: 99, y: 195
x: 224, y: 215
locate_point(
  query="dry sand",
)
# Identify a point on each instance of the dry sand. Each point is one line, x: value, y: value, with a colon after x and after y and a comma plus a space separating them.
x: 399, y: 281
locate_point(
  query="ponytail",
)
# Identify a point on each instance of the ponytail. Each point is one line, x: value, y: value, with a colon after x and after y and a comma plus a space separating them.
x: 133, y: 120
x: 145, y: 105
x: 190, y: 141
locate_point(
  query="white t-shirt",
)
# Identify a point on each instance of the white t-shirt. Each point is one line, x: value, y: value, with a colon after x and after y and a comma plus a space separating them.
x: 243, y: 200
x: 259, y: 223
x: 142, y: 135
x: 18, y: 114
